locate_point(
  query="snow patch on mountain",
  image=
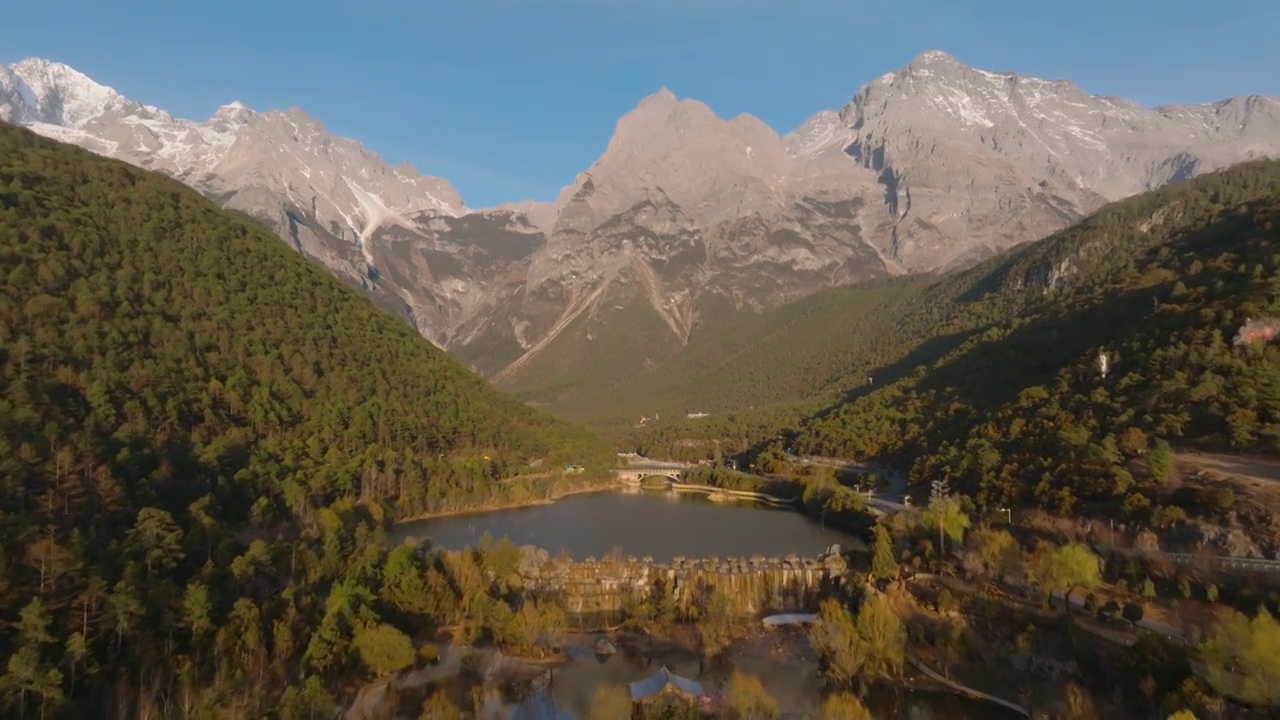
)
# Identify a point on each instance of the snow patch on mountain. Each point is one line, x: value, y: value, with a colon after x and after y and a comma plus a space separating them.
x: 960, y: 152
x: 56, y: 94
x: 927, y: 167
x: 234, y: 152
x: 75, y: 136
x: 375, y: 216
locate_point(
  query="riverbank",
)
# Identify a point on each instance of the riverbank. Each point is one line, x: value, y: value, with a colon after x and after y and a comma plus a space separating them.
x: 719, y: 494
x: 715, y: 493
x: 623, y: 523
x: 602, y: 487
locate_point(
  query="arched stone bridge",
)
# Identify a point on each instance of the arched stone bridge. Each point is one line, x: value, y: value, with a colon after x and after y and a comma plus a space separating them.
x: 640, y: 468
x: 635, y: 475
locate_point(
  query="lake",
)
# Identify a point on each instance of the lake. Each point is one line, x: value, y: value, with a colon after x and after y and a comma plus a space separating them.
x: 663, y: 525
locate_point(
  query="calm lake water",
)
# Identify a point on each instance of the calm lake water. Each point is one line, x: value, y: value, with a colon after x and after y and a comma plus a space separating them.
x: 664, y: 525
x: 658, y: 524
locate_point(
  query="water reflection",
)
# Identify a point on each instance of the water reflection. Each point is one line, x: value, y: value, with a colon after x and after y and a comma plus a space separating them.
x: 794, y: 684
x: 661, y: 525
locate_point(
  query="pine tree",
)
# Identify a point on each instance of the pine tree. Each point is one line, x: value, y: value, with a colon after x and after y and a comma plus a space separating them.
x: 883, y: 564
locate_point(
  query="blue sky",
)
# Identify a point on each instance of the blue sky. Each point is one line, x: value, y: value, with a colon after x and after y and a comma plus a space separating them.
x: 509, y: 99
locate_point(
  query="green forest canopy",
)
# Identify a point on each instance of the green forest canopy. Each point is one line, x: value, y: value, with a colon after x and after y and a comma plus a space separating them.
x: 201, y: 436
x: 762, y: 372
x: 795, y: 355
x: 897, y: 354
x: 1020, y: 412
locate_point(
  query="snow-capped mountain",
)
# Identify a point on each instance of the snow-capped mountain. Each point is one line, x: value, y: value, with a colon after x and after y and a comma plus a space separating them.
x: 686, y: 217
x: 328, y: 195
x: 973, y: 161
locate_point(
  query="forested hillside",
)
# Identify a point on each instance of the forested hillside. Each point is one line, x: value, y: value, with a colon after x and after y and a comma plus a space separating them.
x: 757, y: 374
x: 1022, y: 413
x: 201, y: 438
x: 792, y: 353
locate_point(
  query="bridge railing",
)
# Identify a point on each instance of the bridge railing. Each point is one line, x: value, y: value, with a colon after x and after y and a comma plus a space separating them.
x: 1226, y: 562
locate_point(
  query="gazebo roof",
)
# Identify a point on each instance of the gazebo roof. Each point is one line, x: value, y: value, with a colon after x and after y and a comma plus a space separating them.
x: 650, y: 686
x: 791, y: 619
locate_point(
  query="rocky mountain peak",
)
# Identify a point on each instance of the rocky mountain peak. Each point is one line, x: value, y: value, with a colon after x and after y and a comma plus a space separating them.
x: 49, y: 75
x: 331, y: 196
x: 1249, y: 116
x: 935, y: 58
x: 657, y: 115
x: 51, y: 92
x: 937, y: 87
x: 928, y: 68
x: 663, y: 97
x: 687, y: 216
x: 682, y: 149
x: 231, y: 115
x: 956, y: 147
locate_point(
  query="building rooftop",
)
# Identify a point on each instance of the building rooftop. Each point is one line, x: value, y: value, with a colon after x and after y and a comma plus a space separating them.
x: 650, y: 686
x: 791, y: 619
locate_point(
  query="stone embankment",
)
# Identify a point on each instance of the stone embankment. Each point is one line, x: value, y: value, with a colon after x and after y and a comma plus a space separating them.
x: 752, y: 585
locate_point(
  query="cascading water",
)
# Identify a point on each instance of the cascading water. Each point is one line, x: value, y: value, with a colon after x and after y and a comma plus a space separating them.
x: 759, y: 584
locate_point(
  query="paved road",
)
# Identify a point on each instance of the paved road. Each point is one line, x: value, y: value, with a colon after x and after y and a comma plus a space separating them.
x: 657, y: 467
x: 1077, y: 601
x: 885, y: 502
x: 888, y: 505
x: 1255, y: 469
x: 897, y: 480
x: 889, y: 502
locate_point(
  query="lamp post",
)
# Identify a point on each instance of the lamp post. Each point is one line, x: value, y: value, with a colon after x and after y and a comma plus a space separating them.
x: 939, y: 494
x: 1008, y: 514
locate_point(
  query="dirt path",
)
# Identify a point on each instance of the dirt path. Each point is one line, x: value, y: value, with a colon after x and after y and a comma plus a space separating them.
x: 965, y: 689
x: 1252, y: 469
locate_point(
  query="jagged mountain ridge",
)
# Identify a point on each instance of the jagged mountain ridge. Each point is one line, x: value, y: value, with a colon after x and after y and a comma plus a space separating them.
x: 326, y: 195
x: 1028, y: 155
x: 686, y: 217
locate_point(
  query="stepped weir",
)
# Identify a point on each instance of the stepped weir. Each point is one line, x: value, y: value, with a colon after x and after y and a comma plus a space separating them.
x: 752, y: 585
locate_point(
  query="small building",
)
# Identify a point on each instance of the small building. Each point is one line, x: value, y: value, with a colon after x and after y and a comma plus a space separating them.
x: 790, y: 619
x: 665, y: 683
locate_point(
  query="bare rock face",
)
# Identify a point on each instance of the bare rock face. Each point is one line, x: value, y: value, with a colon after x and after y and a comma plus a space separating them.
x: 972, y: 162
x: 685, y: 215
x: 686, y: 218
